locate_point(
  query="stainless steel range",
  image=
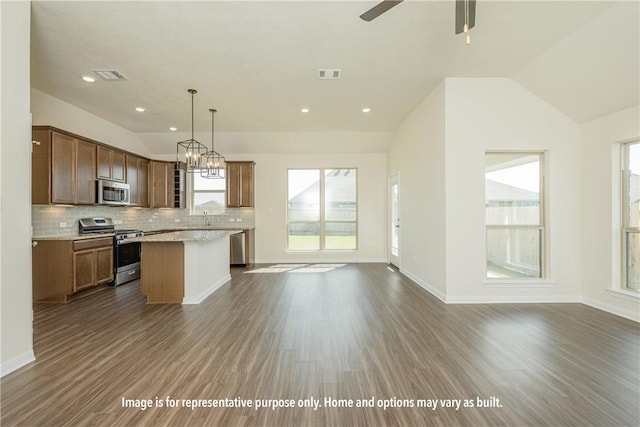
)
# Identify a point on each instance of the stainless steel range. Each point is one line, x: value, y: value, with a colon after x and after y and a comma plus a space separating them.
x: 126, y: 255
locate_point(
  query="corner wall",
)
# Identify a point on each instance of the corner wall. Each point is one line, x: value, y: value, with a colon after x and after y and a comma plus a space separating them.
x: 601, y: 211
x: 16, y: 342
x: 417, y: 154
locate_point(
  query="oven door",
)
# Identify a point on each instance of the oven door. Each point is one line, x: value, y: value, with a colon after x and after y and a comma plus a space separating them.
x: 127, y: 261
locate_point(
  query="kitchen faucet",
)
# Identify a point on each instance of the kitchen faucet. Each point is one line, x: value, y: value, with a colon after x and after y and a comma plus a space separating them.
x: 206, y: 220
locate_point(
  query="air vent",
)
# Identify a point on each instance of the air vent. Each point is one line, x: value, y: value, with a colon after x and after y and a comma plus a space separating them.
x: 329, y: 73
x: 110, y: 74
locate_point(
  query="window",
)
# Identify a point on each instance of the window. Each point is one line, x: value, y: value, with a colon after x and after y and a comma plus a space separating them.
x: 631, y: 214
x: 322, y: 209
x: 206, y: 195
x: 514, y: 211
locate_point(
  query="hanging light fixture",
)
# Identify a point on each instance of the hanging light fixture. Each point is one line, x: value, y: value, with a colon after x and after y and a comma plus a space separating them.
x: 190, y: 151
x: 213, y: 164
x: 467, y: 36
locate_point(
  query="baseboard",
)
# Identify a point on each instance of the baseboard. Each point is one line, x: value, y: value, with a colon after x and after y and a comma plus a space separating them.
x: 322, y: 261
x: 610, y: 308
x: 514, y: 299
x: 17, y: 362
x: 433, y: 291
x: 198, y: 299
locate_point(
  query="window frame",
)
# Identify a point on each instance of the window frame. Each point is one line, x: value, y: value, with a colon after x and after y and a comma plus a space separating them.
x: 626, y: 229
x: 191, y: 196
x: 321, y: 219
x: 542, y: 225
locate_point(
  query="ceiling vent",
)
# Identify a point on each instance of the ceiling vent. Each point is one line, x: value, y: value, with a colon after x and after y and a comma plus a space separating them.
x: 329, y: 73
x: 110, y: 74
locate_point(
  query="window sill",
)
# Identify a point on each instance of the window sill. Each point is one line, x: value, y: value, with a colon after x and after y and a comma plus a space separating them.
x: 510, y: 283
x: 624, y: 294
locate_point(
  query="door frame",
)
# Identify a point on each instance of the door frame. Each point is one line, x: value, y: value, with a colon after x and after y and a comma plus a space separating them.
x: 395, y: 260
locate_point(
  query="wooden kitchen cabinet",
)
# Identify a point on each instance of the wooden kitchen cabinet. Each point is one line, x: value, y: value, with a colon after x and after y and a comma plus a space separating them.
x: 111, y: 164
x: 137, y: 178
x: 63, y: 168
x: 161, y: 184
x: 240, y: 184
x: 62, y: 268
x: 85, y: 173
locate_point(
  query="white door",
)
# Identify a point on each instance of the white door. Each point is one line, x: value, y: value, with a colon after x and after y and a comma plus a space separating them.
x: 394, y: 220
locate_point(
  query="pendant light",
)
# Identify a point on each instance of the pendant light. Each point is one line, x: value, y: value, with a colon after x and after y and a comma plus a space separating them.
x: 467, y: 36
x: 214, y: 163
x: 190, y: 151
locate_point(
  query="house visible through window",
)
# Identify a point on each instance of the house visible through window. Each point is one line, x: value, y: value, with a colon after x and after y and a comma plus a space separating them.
x: 631, y: 213
x: 514, y: 215
x: 206, y: 195
x: 322, y: 209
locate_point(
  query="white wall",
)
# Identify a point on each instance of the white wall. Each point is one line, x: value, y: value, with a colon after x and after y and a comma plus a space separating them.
x: 271, y: 205
x: 601, y: 216
x: 16, y: 342
x: 48, y: 110
x: 417, y: 154
x: 498, y: 114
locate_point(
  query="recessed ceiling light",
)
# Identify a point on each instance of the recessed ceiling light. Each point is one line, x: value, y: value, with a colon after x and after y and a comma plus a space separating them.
x: 173, y: 128
x: 366, y: 109
x: 88, y: 79
x: 140, y: 109
x: 304, y: 110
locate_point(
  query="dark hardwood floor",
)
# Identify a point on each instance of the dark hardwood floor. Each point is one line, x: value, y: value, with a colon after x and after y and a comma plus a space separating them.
x: 351, y: 332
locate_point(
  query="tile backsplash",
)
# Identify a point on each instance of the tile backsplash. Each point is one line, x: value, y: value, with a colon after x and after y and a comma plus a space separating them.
x: 51, y: 220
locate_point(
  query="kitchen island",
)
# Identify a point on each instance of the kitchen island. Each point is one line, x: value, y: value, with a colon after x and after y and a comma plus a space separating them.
x: 183, y: 266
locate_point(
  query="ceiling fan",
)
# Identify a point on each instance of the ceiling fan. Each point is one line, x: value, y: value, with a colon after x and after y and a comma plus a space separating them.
x: 465, y: 14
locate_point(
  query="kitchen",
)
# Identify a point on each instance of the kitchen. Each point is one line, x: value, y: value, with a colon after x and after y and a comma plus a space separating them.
x: 74, y: 257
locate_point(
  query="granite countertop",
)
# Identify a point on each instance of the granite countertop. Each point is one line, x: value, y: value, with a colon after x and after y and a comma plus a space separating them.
x: 151, y: 232
x: 73, y: 236
x: 197, y: 227
x: 185, y: 236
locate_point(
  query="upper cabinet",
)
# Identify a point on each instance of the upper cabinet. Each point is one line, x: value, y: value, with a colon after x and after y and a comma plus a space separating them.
x: 63, y: 168
x: 111, y: 164
x: 137, y: 178
x: 240, y: 183
x: 161, y: 184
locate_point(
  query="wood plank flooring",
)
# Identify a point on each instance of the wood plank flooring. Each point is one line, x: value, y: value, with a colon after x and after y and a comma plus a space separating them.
x: 352, y: 332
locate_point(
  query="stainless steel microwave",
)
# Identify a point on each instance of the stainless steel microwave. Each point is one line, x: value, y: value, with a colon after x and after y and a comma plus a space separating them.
x: 112, y: 193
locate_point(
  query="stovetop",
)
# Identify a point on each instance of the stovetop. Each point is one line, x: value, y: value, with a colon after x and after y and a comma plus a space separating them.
x: 103, y: 225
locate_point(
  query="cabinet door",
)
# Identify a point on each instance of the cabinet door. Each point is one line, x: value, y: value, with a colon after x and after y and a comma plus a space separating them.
x: 239, y: 184
x: 104, y: 265
x: 246, y: 184
x: 41, y: 167
x: 118, y: 166
x: 86, y: 173
x: 104, y: 162
x: 143, y: 182
x: 84, y: 269
x: 132, y: 179
x: 63, y: 165
x: 159, y: 172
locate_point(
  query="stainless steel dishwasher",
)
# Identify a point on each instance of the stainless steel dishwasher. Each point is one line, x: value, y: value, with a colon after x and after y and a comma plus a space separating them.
x: 238, y: 249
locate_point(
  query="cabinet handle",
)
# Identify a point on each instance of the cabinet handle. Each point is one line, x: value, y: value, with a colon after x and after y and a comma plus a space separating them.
x: 132, y: 272
x: 35, y: 142
x: 34, y: 244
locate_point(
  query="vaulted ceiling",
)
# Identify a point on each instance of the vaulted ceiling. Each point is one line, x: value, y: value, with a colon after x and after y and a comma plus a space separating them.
x: 256, y: 62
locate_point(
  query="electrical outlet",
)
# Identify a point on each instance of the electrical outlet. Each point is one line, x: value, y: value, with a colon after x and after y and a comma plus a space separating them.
x: 62, y: 224
x: 176, y: 220
x: 232, y: 220
x: 150, y: 220
x: 117, y: 221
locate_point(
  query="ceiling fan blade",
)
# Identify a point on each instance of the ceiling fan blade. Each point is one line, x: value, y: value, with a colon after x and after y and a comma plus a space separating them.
x: 379, y: 9
x: 460, y: 14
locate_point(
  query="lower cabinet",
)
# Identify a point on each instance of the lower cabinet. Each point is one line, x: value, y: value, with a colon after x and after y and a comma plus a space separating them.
x: 61, y: 268
x: 92, y: 267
